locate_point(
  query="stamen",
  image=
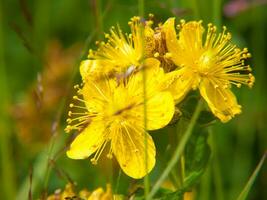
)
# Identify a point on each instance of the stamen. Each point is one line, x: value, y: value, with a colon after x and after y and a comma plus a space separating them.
x: 129, y: 135
x: 109, y: 155
x: 99, y: 152
x: 75, y: 106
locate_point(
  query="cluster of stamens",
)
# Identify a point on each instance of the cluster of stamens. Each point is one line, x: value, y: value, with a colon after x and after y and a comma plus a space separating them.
x: 227, y: 61
x: 80, y: 118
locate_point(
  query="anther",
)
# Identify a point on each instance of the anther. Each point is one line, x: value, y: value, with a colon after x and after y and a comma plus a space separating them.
x: 168, y: 55
x: 94, y: 161
x: 69, y: 113
x: 107, y: 35
x: 76, y: 86
x: 71, y: 105
x: 68, y: 129
x: 91, y: 52
x: 150, y: 15
x: 109, y: 156
x: 225, y: 86
x: 156, y: 54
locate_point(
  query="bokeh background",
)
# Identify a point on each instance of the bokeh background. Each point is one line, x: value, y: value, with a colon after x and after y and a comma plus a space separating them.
x: 41, y: 45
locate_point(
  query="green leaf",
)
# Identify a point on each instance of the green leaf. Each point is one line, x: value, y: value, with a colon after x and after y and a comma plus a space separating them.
x: 243, y: 195
x: 197, y: 153
x: 161, y: 194
x: 178, y: 195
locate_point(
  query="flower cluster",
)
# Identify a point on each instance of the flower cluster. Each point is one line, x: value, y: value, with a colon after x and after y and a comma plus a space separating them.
x: 70, y: 193
x: 132, y: 83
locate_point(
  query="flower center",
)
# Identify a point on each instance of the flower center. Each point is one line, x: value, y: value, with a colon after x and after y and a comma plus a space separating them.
x: 205, y: 63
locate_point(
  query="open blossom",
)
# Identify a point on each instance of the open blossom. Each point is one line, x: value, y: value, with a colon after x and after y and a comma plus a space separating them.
x: 122, y: 52
x: 208, y: 62
x: 115, y: 116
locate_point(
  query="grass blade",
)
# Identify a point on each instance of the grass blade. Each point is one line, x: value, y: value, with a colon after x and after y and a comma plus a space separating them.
x: 243, y: 195
x: 179, y: 150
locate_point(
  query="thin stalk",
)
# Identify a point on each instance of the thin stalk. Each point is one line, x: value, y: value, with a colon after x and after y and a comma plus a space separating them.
x: 97, y: 7
x: 205, y: 184
x: 118, y: 183
x: 217, y: 12
x: 179, y: 150
x: 216, y: 169
x: 146, y: 178
x: 141, y: 9
x: 6, y: 165
x: 196, y: 8
x: 243, y: 195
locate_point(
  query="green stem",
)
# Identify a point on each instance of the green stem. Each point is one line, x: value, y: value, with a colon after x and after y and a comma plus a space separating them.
x: 217, y: 12
x: 6, y: 165
x: 243, y: 195
x: 98, y: 17
x: 141, y: 9
x: 196, y: 8
x: 118, y: 183
x: 216, y: 169
x: 205, y: 184
x: 179, y: 150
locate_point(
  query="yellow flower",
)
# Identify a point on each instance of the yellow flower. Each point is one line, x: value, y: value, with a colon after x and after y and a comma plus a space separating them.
x: 121, y: 52
x: 212, y: 65
x: 115, y: 114
x: 70, y: 193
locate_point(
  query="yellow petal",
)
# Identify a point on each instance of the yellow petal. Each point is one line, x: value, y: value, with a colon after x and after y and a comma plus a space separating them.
x: 184, y: 82
x: 98, y: 93
x: 87, y: 142
x: 97, y: 194
x: 159, y: 111
x: 94, y: 68
x: 172, y: 42
x: 190, y: 37
x: 222, y: 102
x: 129, y: 149
x: 153, y: 78
x: 188, y: 48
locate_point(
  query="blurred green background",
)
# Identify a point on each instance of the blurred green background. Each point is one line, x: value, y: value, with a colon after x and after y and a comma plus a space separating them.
x: 41, y: 45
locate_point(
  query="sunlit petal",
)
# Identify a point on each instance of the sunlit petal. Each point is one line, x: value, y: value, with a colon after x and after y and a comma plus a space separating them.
x: 222, y: 102
x: 130, y: 150
x: 87, y: 142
